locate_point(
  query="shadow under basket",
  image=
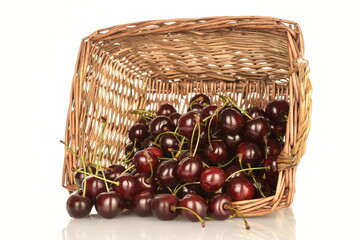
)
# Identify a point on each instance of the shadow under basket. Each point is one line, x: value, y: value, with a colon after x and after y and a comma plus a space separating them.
x: 253, y: 60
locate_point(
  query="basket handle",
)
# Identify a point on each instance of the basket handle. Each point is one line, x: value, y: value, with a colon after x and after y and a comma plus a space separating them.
x: 299, y: 121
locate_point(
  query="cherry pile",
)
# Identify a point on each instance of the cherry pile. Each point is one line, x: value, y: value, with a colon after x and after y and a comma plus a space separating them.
x: 193, y: 164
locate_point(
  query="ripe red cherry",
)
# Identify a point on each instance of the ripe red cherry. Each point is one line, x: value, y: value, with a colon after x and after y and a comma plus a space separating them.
x: 78, y: 206
x: 169, y: 143
x: 255, y: 112
x: 257, y: 129
x: 142, y: 203
x: 145, y: 161
x: 196, y: 203
x: 167, y: 174
x: 231, y: 141
x: 166, y: 110
x: 162, y: 206
x: 250, y: 153
x: 128, y: 185
x: 277, y: 111
x: 155, y: 150
x: 109, y: 204
x: 196, y: 107
x: 175, y: 118
x: 278, y: 130
x: 160, y: 124
x: 114, y: 172
x: 217, y: 206
x: 263, y: 186
x: 274, y: 147
x: 192, y: 188
x: 94, y: 187
x: 201, y: 99
x: 212, y: 179
x: 232, y: 169
x: 240, y: 189
x: 216, y: 153
x: 189, y: 169
x: 187, y: 122
x: 138, y: 131
x: 230, y: 121
x: 130, y: 149
x: 209, y: 111
x: 145, y: 181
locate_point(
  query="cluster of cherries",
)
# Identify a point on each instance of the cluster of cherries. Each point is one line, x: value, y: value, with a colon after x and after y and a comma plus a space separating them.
x: 194, y: 164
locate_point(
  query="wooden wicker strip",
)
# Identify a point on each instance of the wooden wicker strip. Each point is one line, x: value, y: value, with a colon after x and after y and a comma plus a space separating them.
x: 140, y: 65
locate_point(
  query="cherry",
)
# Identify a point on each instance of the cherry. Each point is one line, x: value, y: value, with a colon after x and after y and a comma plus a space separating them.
x: 196, y: 204
x: 187, y: 123
x: 189, y: 169
x: 261, y: 184
x: 277, y: 111
x: 166, y: 110
x: 93, y: 187
x: 200, y: 98
x: 138, y: 131
x: 145, y: 161
x: 231, y: 121
x: 274, y: 147
x: 161, y: 189
x: 130, y: 149
x: 155, y: 150
x: 78, y: 206
x: 216, y: 152
x: 278, y: 130
x: 212, y: 179
x: 114, y: 172
x: 168, y: 143
x: 160, y: 124
x: 145, y: 181
x: 183, y: 155
x: 146, y: 143
x: 257, y: 129
x: 142, y: 120
x: 232, y: 140
x: 175, y: 118
x: 142, y: 203
x: 254, y: 112
x: 192, y: 188
x: 240, y: 189
x: 208, y: 111
x: 249, y: 153
x: 109, y: 204
x: 162, y: 206
x: 196, y: 107
x: 272, y: 163
x: 167, y: 174
x: 217, y: 207
x: 128, y: 185
x: 232, y: 169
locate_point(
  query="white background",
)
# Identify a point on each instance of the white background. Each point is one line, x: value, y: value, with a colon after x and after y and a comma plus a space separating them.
x: 38, y: 47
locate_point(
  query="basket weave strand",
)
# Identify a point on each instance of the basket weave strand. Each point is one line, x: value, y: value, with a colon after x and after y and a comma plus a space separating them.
x: 141, y: 65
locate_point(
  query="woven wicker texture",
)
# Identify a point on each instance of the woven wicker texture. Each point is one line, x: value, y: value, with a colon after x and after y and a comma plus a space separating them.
x: 141, y: 65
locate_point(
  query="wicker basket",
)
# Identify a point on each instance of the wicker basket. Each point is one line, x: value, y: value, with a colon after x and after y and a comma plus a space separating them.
x: 141, y: 65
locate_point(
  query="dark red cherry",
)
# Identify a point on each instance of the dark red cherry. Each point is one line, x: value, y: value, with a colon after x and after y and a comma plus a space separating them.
x: 217, y: 206
x: 175, y: 118
x: 231, y: 121
x: 94, y: 187
x: 277, y: 111
x: 138, y: 131
x: 146, y: 143
x: 232, y: 169
x: 142, y: 203
x: 255, y: 112
x: 79, y: 177
x: 161, y: 189
x: 78, y: 206
x: 250, y: 153
x: 263, y: 186
x: 272, y: 180
x: 169, y: 143
x: 145, y: 161
x: 196, y: 107
x: 212, y: 179
x: 142, y: 120
x: 274, y: 147
x: 128, y: 185
x: 145, y: 181
x: 166, y: 110
x: 240, y: 189
x: 114, y: 171
x: 216, y: 153
x: 192, y: 188
x: 167, y: 174
x: 209, y: 111
x: 196, y: 203
x: 160, y: 124
x: 162, y: 206
x: 109, y: 204
x: 155, y: 150
x: 189, y: 169
x: 130, y: 149
x: 187, y: 122
x: 200, y: 98
x: 232, y: 141
x: 257, y: 129
x: 272, y: 163
x: 183, y: 155
x: 278, y: 130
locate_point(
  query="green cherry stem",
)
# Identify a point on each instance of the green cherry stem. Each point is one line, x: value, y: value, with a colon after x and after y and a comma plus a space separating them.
x: 198, y: 139
x: 245, y: 169
x: 257, y: 184
x: 73, y: 152
x: 177, y: 188
x: 96, y: 176
x: 226, y: 206
x: 234, y: 104
x: 226, y: 164
x: 173, y: 208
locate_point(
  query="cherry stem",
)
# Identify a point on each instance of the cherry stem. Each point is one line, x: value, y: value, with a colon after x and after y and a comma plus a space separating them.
x: 93, y: 175
x: 173, y: 208
x: 245, y: 169
x: 257, y: 184
x: 198, y: 139
x: 177, y: 188
x: 106, y: 184
x: 231, y: 160
x: 180, y: 148
x: 128, y: 169
x: 103, y: 125
x: 209, y: 131
x: 142, y: 112
x: 226, y: 206
x: 151, y: 169
x: 266, y: 146
x: 234, y: 104
x: 132, y: 151
x: 156, y: 140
